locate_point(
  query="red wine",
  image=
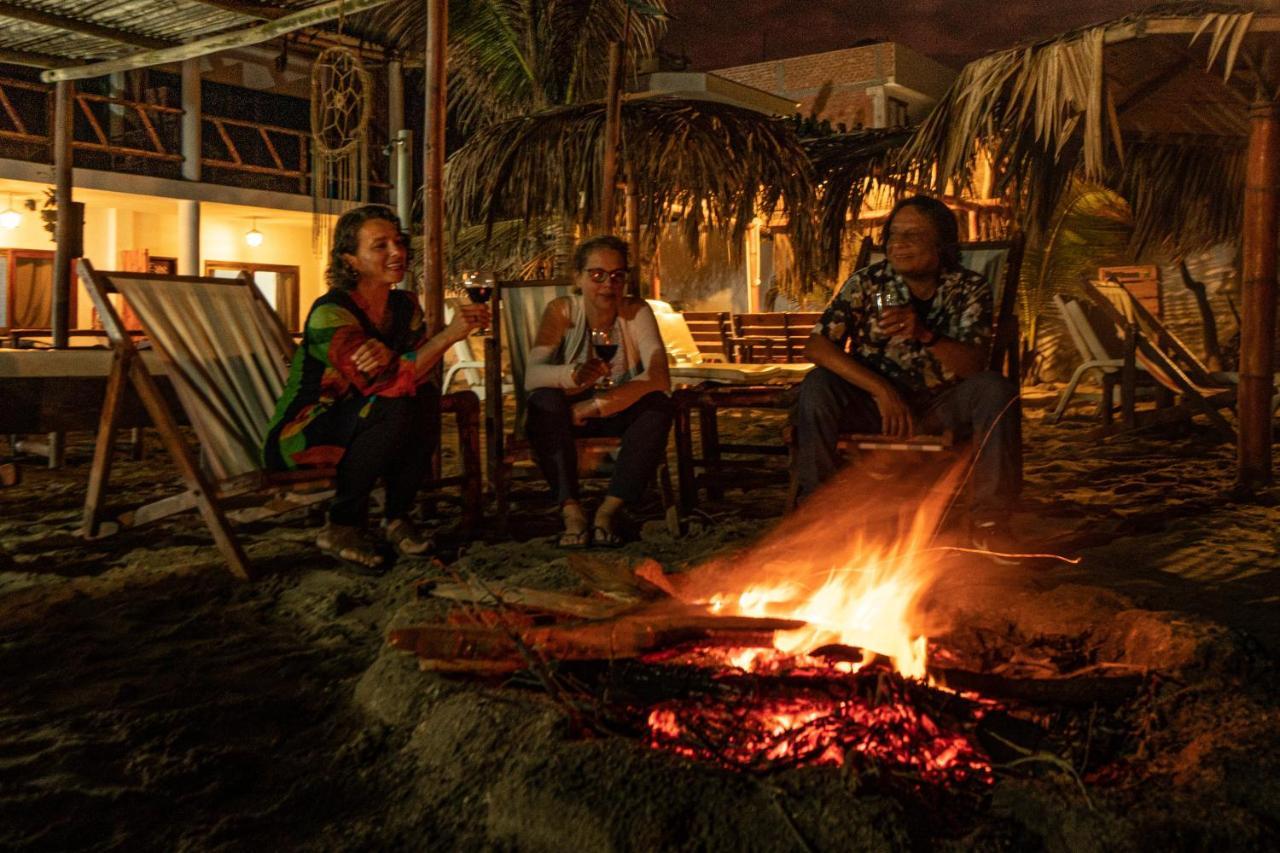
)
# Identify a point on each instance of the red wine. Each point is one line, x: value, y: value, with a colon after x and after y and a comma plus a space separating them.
x: 479, y: 295
x: 606, y: 352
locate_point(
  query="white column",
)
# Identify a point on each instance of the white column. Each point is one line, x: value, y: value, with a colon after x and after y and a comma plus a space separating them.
x: 188, y: 209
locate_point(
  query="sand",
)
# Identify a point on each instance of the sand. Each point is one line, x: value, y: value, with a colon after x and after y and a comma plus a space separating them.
x: 150, y: 701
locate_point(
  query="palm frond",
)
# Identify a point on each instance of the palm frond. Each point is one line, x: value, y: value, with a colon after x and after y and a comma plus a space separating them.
x: 700, y: 162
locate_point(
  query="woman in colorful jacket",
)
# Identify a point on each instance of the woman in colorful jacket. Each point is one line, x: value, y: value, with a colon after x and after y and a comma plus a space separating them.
x: 358, y: 396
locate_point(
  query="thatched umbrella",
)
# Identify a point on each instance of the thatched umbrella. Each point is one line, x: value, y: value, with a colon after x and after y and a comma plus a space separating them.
x: 704, y: 162
x: 1175, y: 107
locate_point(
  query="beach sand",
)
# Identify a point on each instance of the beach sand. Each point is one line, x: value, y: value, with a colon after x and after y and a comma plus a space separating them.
x: 148, y: 700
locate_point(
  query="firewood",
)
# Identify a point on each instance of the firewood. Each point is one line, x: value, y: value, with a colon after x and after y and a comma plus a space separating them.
x: 9, y: 474
x: 537, y: 599
x: 625, y: 636
x: 621, y: 576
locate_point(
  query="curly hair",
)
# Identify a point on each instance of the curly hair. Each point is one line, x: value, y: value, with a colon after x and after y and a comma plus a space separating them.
x: 601, y: 241
x: 944, y: 222
x: 346, y: 241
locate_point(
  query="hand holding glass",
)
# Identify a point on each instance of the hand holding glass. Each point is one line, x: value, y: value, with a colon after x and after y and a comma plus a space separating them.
x: 479, y: 287
x: 605, y: 348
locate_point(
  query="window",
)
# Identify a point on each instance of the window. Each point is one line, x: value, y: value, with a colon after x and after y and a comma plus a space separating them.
x: 277, y: 283
x: 26, y: 289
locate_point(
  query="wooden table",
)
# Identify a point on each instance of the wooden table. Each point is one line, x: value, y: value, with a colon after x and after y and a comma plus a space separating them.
x: 708, y: 398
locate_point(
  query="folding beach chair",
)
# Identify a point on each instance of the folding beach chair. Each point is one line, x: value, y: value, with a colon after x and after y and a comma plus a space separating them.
x: 227, y: 355
x: 1168, y: 360
x: 517, y: 308
x: 1095, y: 355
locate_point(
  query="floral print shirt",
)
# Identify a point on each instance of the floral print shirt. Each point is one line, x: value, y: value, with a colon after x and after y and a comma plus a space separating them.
x: 961, y: 310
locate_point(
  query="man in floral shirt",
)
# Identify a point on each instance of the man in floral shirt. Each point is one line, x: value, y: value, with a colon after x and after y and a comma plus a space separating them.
x: 903, y: 348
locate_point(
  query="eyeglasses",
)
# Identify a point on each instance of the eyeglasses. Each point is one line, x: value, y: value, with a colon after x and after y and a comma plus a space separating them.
x: 614, y: 276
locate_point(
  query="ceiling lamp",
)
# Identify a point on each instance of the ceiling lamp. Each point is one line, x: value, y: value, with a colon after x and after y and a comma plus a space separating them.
x: 253, y: 238
x: 10, y: 218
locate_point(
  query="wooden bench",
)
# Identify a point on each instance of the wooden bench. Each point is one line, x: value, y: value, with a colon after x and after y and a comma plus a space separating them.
x: 777, y: 337
x: 711, y: 332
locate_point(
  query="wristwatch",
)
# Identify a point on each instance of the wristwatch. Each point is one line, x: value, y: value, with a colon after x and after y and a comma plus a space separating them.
x: 931, y: 340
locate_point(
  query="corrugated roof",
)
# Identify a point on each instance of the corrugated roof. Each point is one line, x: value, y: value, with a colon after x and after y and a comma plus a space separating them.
x: 85, y: 30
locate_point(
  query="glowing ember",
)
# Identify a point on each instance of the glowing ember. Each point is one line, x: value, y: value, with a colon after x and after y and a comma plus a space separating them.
x: 763, y: 734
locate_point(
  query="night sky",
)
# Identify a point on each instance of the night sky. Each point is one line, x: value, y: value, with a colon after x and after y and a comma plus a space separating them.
x: 721, y: 33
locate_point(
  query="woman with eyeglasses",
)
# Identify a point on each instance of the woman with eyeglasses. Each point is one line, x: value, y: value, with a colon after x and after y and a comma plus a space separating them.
x: 598, y: 368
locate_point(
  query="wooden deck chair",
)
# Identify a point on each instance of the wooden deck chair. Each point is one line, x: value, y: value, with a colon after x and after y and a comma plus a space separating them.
x: 227, y: 355
x: 1000, y: 262
x: 711, y: 331
x: 517, y: 309
x: 1094, y: 355
x: 1175, y: 368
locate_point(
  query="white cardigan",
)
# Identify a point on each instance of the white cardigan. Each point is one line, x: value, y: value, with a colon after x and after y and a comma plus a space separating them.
x: 552, y: 366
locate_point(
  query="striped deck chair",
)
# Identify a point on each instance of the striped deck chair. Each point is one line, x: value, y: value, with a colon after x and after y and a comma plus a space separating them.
x: 517, y: 308
x: 227, y: 355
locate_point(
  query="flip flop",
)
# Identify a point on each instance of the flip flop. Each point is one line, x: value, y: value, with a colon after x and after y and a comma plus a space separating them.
x: 348, y: 545
x: 602, y: 537
x: 571, y: 541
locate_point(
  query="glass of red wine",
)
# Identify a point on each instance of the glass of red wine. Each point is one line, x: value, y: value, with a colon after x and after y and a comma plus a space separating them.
x: 606, y: 347
x: 479, y: 287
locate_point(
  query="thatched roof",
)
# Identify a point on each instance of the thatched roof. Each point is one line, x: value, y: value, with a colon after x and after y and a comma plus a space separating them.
x: 1153, y: 104
x: 705, y: 163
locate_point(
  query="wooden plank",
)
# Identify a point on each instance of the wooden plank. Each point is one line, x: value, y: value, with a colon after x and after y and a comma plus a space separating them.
x: 76, y: 25
x: 100, y: 472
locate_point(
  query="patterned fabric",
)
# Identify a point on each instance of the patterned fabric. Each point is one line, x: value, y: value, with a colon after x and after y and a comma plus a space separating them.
x: 323, y: 375
x: 960, y: 310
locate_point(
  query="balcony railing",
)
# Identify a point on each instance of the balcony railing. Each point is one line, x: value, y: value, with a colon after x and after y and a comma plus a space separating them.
x: 136, y: 136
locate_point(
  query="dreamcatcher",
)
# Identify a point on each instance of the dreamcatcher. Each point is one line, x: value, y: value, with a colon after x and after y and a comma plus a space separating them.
x: 341, y: 100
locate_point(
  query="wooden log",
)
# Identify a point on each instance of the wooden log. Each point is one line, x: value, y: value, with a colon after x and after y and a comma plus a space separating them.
x: 627, y: 636
x: 10, y: 475
x: 621, y: 576
x: 537, y: 599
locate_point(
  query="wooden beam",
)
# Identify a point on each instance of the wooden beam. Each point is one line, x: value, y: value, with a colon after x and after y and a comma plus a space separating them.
x: 63, y: 134
x: 225, y: 41
x: 433, y: 152
x: 76, y: 25
x: 1258, y: 295
x: 249, y: 10
x: 34, y: 60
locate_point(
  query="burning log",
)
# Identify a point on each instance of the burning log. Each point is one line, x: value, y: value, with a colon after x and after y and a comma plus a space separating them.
x: 625, y: 636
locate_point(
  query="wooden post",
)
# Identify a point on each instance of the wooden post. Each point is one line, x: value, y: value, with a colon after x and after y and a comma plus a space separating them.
x: 189, y: 209
x: 633, y: 233
x: 1258, y: 295
x: 433, y: 165
x: 60, y: 321
x: 612, y: 136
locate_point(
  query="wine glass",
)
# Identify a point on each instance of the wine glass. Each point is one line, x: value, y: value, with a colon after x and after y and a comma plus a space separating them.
x: 885, y: 297
x: 479, y: 286
x: 602, y: 341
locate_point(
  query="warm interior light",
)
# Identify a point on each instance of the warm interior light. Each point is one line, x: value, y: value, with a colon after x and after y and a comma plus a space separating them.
x: 10, y: 218
x: 254, y: 237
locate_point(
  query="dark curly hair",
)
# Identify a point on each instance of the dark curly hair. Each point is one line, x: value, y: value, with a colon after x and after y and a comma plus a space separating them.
x: 601, y: 241
x: 944, y: 222
x: 346, y: 241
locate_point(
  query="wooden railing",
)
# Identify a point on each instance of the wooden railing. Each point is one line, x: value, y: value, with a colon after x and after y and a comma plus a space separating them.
x: 152, y: 133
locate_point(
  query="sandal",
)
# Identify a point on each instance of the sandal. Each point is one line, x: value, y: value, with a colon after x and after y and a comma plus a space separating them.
x: 408, y: 539
x: 349, y: 545
x: 603, y: 537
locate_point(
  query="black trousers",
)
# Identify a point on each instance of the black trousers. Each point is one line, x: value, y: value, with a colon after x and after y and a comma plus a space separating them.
x: 392, y: 438
x: 643, y: 428
x: 980, y: 407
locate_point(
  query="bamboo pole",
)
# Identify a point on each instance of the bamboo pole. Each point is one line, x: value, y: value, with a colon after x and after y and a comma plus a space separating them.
x: 63, y: 99
x: 433, y: 165
x: 612, y: 136
x: 1258, y: 296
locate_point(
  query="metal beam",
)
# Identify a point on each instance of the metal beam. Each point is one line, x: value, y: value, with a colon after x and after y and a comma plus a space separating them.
x: 75, y: 25
x: 249, y: 10
x: 226, y: 41
x: 33, y: 59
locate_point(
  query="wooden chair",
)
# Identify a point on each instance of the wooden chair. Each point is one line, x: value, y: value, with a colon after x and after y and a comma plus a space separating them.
x: 1000, y: 262
x: 516, y: 312
x: 227, y: 355
x: 777, y: 337
x: 1143, y: 283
